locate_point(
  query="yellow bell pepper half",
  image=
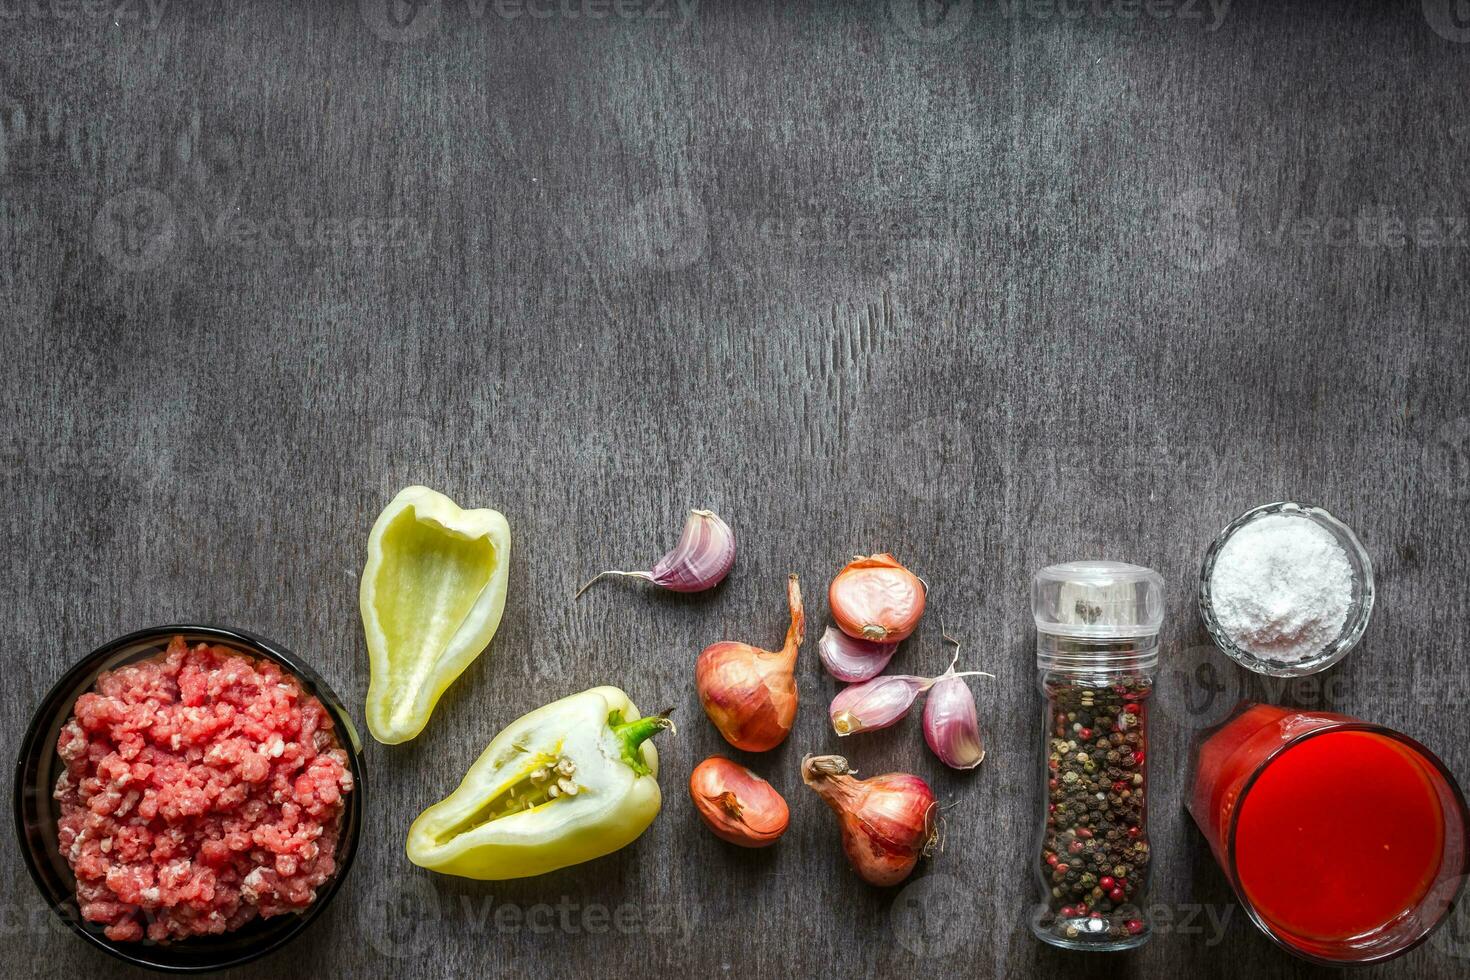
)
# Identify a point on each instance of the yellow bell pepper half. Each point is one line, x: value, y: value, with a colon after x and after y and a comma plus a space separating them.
x: 432, y: 594
x: 564, y: 784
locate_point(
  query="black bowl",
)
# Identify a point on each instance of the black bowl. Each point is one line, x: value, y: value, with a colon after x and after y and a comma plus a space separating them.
x: 36, y: 813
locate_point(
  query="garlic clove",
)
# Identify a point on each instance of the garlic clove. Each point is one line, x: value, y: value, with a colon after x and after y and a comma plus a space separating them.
x: 952, y: 725
x: 702, y: 558
x: 882, y: 701
x: 875, y: 704
x: 850, y: 659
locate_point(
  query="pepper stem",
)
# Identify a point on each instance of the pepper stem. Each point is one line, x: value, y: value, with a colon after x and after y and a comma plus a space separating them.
x: 634, y: 733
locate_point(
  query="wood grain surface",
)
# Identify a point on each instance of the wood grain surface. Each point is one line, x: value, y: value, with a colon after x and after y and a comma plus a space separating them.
x: 989, y: 285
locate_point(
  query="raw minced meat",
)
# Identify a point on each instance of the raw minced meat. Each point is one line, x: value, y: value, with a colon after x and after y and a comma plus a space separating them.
x: 202, y: 789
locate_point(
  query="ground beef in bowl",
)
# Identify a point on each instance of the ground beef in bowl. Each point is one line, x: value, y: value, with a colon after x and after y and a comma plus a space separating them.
x: 203, y: 788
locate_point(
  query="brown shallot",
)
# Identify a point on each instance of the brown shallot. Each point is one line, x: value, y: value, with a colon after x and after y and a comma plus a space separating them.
x: 888, y: 822
x: 749, y: 693
x: 876, y: 598
x: 735, y: 803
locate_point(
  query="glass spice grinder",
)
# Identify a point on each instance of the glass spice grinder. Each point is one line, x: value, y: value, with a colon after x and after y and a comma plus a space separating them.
x: 1097, y: 650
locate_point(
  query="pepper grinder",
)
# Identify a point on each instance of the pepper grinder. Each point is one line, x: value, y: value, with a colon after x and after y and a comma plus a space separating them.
x: 1097, y: 650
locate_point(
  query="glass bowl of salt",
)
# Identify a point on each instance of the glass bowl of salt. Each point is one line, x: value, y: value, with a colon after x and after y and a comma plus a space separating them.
x: 1286, y: 589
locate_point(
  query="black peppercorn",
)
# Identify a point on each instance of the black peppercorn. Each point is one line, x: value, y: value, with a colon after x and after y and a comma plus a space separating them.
x: 1096, y: 792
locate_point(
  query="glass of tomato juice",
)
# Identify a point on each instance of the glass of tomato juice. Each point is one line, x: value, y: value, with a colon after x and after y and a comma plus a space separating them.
x: 1346, y: 842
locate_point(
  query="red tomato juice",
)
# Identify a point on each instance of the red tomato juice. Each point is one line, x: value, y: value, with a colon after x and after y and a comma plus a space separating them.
x: 1340, y: 830
x: 1341, y: 834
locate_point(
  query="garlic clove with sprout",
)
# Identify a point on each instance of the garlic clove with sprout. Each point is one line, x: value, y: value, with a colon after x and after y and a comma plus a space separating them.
x: 883, y: 701
x: 701, y: 559
x: 951, y: 723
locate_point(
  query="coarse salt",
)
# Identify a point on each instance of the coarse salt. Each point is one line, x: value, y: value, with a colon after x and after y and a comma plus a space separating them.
x: 1282, y: 588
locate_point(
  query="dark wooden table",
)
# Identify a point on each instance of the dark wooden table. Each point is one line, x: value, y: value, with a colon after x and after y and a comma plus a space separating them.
x: 989, y: 286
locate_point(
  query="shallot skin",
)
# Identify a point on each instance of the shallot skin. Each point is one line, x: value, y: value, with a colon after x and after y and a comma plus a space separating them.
x: 876, y: 598
x: 748, y: 693
x: 753, y: 705
x: 737, y: 805
x: 884, y: 848
x: 888, y: 822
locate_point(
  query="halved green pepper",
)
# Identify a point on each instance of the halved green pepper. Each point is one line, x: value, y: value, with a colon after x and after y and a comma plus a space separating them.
x: 432, y: 594
x: 566, y: 783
